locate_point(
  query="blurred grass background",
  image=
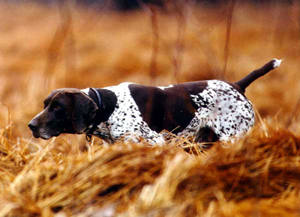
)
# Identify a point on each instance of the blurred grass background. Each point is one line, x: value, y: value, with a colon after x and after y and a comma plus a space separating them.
x: 54, y: 45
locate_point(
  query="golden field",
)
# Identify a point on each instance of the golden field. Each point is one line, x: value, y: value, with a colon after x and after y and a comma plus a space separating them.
x: 44, y: 47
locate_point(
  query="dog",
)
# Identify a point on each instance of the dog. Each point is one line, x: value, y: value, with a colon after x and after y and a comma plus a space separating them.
x: 208, y: 111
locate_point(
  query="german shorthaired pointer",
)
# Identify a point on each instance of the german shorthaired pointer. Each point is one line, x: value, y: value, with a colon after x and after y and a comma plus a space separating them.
x: 208, y: 110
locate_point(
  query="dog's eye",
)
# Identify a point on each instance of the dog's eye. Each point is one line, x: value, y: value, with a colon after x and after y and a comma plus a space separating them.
x: 55, y: 107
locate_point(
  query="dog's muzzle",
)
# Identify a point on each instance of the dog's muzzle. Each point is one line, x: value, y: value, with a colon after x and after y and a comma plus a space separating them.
x: 33, y: 125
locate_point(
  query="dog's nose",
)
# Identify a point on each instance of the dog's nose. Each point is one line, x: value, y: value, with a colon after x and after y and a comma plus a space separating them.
x: 33, y: 125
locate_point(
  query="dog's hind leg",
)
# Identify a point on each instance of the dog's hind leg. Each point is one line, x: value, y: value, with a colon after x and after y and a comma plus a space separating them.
x: 206, y: 136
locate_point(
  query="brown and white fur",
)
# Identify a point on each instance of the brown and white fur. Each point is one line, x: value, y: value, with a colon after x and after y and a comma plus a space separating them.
x: 208, y: 110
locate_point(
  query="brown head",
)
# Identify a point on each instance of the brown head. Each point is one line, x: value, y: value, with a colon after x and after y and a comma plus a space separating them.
x: 65, y: 111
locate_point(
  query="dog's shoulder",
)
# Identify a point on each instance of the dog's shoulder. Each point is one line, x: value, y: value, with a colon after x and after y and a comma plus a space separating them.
x: 121, y: 93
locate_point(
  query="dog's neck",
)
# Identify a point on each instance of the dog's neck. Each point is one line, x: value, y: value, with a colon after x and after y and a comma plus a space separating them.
x: 106, y: 101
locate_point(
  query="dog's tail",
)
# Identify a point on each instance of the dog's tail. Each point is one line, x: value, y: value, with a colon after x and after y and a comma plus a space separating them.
x: 246, y: 81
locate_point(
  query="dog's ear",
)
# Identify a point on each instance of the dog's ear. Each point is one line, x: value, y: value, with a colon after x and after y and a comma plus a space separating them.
x: 84, y: 110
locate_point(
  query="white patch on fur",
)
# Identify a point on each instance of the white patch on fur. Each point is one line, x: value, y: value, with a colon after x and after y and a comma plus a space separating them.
x: 126, y: 121
x: 223, y: 109
x: 276, y: 63
x: 86, y: 91
x: 164, y: 87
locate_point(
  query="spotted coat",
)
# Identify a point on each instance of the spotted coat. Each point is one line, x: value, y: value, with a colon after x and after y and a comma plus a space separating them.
x: 126, y: 120
x: 219, y: 106
x: 222, y: 108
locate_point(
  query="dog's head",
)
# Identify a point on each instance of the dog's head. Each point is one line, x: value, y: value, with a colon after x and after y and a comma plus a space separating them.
x: 65, y: 111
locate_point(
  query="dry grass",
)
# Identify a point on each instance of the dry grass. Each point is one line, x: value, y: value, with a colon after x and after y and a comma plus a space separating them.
x: 42, y: 48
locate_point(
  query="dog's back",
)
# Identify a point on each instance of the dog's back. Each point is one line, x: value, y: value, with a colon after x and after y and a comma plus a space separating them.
x: 170, y: 108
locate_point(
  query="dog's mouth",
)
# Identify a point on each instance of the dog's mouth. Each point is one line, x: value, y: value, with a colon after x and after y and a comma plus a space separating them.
x: 43, y: 135
x: 35, y: 134
x: 43, y: 130
x: 38, y: 135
